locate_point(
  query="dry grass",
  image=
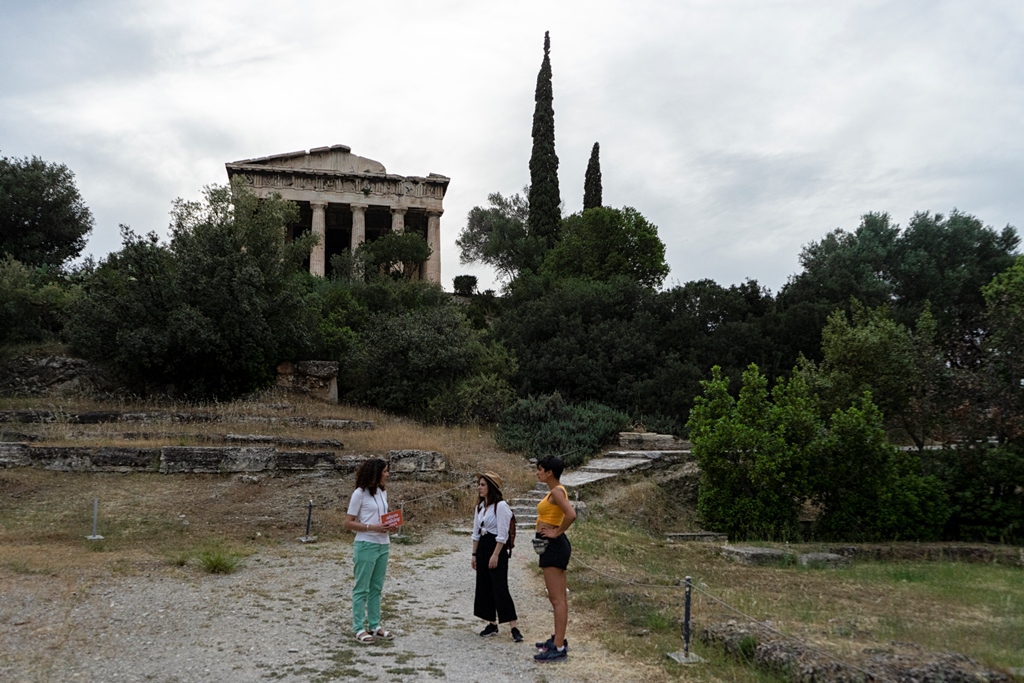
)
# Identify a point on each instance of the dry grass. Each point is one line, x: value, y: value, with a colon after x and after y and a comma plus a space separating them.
x: 974, y: 609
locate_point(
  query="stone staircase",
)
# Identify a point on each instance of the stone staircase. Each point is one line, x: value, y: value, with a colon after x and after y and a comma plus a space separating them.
x: 636, y: 452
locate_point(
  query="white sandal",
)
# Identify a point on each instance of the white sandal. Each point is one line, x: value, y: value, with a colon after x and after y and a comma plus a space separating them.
x: 364, y: 637
x: 381, y: 632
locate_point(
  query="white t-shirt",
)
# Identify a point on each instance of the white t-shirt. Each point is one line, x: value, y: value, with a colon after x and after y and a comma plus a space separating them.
x: 367, y: 509
x: 493, y: 521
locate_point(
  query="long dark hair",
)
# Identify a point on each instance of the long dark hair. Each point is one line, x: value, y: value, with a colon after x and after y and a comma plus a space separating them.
x: 368, y: 476
x: 493, y: 496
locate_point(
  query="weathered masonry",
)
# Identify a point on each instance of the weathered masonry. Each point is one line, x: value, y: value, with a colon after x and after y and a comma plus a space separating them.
x: 348, y: 199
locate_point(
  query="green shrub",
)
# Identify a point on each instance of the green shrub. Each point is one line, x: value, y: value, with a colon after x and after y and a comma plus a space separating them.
x: 985, y: 486
x: 550, y: 426
x: 218, y: 561
x: 32, y: 302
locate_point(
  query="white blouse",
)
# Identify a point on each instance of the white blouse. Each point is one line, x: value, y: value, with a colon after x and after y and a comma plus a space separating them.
x: 494, y: 520
x: 367, y: 509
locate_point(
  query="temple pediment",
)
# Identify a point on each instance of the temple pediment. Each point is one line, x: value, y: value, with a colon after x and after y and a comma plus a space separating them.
x: 334, y: 158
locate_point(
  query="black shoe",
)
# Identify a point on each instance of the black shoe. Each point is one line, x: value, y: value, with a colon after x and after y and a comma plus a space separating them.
x: 489, y: 630
x: 549, y: 644
x: 552, y: 655
x: 516, y: 635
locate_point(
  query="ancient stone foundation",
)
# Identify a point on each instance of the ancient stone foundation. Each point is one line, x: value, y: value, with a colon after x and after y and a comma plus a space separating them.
x: 427, y: 465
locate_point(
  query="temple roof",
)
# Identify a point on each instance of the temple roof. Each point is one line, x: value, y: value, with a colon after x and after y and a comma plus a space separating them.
x: 334, y: 158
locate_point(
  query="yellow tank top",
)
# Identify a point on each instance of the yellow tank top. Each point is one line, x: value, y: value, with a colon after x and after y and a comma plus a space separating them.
x: 548, y: 512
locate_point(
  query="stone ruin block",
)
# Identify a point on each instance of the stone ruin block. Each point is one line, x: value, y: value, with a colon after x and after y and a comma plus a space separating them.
x: 649, y: 441
x: 417, y: 464
x: 305, y: 460
x: 213, y: 460
x: 315, y: 378
x: 14, y: 455
x: 756, y: 556
x: 62, y: 458
x: 823, y: 560
x: 125, y: 459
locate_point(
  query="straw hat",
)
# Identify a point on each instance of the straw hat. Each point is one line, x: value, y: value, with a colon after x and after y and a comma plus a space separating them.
x: 492, y: 478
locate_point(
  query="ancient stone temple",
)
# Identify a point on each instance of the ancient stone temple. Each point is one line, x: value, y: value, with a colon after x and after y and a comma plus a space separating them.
x: 348, y: 199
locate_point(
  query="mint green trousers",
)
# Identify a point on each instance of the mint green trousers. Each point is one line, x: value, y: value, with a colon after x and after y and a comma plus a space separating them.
x: 370, y: 564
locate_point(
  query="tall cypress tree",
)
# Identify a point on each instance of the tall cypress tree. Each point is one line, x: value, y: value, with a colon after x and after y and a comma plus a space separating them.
x: 545, y: 200
x: 592, y: 183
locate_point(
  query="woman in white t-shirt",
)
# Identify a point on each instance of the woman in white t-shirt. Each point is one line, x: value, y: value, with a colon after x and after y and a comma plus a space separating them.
x: 368, y: 504
x: 491, y: 528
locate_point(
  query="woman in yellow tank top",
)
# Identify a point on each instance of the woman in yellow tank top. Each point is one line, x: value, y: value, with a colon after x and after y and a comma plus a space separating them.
x: 554, y: 515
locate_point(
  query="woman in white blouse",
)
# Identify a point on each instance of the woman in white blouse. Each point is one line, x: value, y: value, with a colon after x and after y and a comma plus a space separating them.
x: 492, y: 603
x: 368, y: 504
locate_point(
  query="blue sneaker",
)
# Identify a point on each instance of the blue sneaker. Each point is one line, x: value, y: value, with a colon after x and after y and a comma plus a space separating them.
x: 552, y: 655
x: 549, y: 644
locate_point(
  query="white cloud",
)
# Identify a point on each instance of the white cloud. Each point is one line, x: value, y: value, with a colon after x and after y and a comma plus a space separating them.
x: 742, y: 129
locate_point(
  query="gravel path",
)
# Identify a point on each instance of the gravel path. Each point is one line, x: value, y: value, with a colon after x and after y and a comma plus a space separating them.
x: 283, y: 616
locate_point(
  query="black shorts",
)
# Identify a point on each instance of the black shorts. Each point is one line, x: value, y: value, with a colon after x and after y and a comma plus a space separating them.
x: 557, y: 553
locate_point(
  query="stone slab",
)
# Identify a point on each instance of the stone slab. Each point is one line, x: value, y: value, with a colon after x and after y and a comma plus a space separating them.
x: 755, y: 556
x: 213, y: 460
x: 823, y: 560
x: 125, y: 459
x: 578, y: 478
x: 416, y: 462
x: 616, y: 465
x: 649, y: 455
x: 698, y: 536
x: 14, y: 455
x: 304, y: 460
x: 651, y: 441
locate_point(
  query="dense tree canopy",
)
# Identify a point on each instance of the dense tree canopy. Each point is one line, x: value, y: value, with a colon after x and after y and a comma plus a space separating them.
x: 43, y: 219
x: 212, y: 312
x: 605, y: 243
x: 937, y: 261
x: 498, y: 236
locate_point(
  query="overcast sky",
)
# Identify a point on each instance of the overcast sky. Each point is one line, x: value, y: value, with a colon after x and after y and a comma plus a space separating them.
x: 742, y: 129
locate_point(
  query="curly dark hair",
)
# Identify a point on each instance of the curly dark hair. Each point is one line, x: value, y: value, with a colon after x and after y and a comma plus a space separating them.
x: 493, y: 496
x: 369, y: 475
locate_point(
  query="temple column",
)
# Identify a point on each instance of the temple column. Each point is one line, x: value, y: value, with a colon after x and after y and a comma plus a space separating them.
x: 432, y: 268
x: 358, y: 225
x: 316, y: 257
x: 397, y: 221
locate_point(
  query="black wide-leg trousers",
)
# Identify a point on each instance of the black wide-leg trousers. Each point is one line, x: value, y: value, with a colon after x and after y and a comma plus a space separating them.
x: 492, y: 596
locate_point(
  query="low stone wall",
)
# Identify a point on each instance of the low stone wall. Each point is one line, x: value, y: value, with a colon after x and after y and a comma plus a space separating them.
x: 800, y: 663
x: 112, y: 416
x: 422, y: 465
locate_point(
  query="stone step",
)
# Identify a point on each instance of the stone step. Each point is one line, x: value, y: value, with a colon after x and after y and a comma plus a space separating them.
x: 616, y: 465
x: 650, y: 455
x: 698, y: 536
x: 580, y: 478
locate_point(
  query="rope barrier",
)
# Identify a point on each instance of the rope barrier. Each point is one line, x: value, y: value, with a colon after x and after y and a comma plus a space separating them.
x: 762, y: 624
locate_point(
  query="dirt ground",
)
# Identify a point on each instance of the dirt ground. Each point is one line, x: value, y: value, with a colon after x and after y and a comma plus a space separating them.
x: 284, y: 616
x: 137, y: 607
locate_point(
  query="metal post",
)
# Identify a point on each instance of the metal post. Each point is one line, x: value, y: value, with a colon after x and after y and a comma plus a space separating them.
x: 686, y: 657
x: 686, y: 619
x: 95, y: 513
x: 309, y: 518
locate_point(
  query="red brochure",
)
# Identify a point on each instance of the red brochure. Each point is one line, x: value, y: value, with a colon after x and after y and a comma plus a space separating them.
x: 393, y: 518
